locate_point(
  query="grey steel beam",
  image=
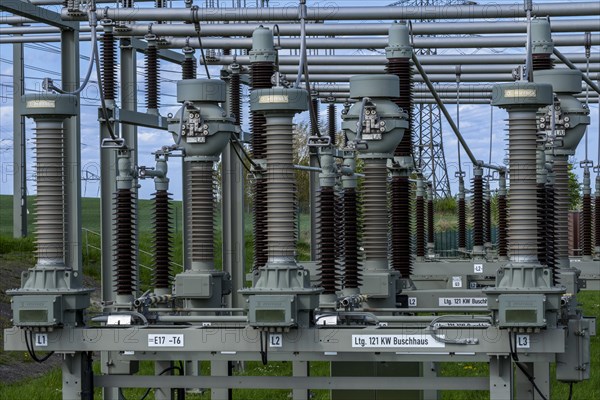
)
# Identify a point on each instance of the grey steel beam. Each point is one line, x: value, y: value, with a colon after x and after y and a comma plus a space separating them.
x: 19, y: 146
x: 28, y: 10
x: 131, y: 117
x: 334, y: 12
x: 69, y: 52
x: 167, y: 55
x: 296, y: 382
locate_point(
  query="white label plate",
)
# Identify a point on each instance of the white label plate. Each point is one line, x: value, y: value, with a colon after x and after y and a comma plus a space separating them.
x: 462, y: 301
x: 165, y: 340
x: 457, y: 281
x: 275, y: 340
x: 478, y: 268
x: 41, y: 340
x: 412, y: 301
x: 523, y: 342
x: 396, y: 341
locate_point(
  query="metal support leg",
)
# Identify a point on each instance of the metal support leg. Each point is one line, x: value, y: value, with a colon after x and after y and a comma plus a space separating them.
x: 542, y: 379
x: 19, y: 146
x: 501, y: 378
x: 162, y: 393
x: 523, y: 388
x: 219, y: 368
x: 300, y: 368
x: 430, y: 370
x: 76, y: 377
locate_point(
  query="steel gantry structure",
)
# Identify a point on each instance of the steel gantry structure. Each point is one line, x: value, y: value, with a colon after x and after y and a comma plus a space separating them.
x: 376, y: 300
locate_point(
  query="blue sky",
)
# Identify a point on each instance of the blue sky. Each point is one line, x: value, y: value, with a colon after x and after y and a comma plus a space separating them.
x: 43, y: 60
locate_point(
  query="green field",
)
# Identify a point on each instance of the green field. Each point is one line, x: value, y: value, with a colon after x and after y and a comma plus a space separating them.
x: 48, y: 385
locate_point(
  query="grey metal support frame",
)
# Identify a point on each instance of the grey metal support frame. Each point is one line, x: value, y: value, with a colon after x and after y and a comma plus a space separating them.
x: 19, y: 146
x: 39, y: 14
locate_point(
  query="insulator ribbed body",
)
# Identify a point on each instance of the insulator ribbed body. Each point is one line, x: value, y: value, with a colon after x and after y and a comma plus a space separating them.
x: 260, y: 77
x: 201, y: 210
x: 50, y: 183
x: 162, y: 239
x: 430, y: 222
x: 331, y: 123
x: 314, y: 104
x: 561, y: 211
x: 124, y: 242
x: 542, y: 224
x: 597, y: 221
x: 551, y: 260
x: 152, y: 77
x: 375, y: 210
x: 401, y: 249
x: 462, y: 224
x: 541, y: 62
x: 420, y: 218
x: 487, y: 213
x: 586, y: 226
x: 478, y: 212
x: 350, y: 239
x: 188, y: 68
x: 281, y: 189
x: 326, y: 236
x: 522, y: 226
x: 234, y: 100
x: 402, y: 69
x: 502, y: 227
x: 109, y: 70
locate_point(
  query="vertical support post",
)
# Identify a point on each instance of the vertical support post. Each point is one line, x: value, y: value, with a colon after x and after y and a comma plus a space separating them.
x: 300, y: 368
x: 159, y: 368
x: 19, y: 146
x: 219, y: 368
x: 77, y: 379
x: 501, y: 378
x: 72, y: 157
x: 523, y: 388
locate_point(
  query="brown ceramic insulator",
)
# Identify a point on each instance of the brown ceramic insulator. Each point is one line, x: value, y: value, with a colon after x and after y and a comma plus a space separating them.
x: 350, y: 239
x: 401, y: 257
x: 162, y: 230
x: 430, y: 222
x: 478, y: 210
x: 314, y: 104
x: 502, y: 226
x: 331, y: 123
x: 586, y: 226
x: 124, y: 245
x: 597, y: 221
x: 420, y: 218
x: 152, y: 77
x: 188, y: 68
x: 402, y: 69
x: 541, y: 62
x: 326, y: 236
x: 109, y: 71
x: 542, y: 223
x: 260, y: 223
x: 462, y: 224
x: 160, y: 3
x: 550, y: 231
x: 260, y: 77
x: 236, y: 94
x: 127, y: 3
x: 487, y: 231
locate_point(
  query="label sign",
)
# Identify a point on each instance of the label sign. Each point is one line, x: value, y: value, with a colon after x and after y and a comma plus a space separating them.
x: 523, y: 342
x: 457, y: 281
x: 165, y: 340
x: 41, y: 340
x: 462, y: 301
x: 396, y: 341
x: 276, y: 340
x: 478, y: 268
x: 412, y: 301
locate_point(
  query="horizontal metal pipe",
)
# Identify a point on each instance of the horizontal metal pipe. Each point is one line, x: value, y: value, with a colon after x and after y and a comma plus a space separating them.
x: 444, y: 88
x: 201, y: 318
x: 331, y: 11
x: 10, y: 20
x: 374, y: 59
x: 380, y: 43
x: 444, y: 96
x: 430, y: 69
x: 432, y: 101
x: 362, y: 29
x: 434, y: 77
